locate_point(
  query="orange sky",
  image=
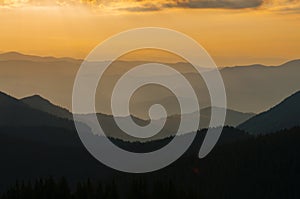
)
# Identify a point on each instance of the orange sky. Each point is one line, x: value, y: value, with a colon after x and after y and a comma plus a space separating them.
x: 267, y: 34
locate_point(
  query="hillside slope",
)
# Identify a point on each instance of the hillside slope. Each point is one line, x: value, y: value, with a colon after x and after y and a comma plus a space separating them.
x: 284, y: 115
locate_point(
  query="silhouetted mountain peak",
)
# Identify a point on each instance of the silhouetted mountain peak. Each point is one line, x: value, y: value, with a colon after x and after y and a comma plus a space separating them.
x: 295, y: 95
x: 252, y: 66
x: 36, y: 98
x: 228, y: 110
x: 16, y: 56
x: 290, y: 103
x: 292, y: 100
x: 13, y: 53
x: 4, y: 95
x: 7, y: 101
x: 42, y: 104
x: 292, y: 63
x: 14, y: 112
x: 285, y: 115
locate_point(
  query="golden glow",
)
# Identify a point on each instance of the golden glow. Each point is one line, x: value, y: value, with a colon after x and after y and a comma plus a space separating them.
x: 268, y: 34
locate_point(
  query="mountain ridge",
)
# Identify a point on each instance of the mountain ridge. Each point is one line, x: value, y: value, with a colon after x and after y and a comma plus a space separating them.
x: 13, y: 112
x: 14, y: 55
x: 284, y: 115
x: 33, y: 111
x: 248, y: 89
x: 43, y: 104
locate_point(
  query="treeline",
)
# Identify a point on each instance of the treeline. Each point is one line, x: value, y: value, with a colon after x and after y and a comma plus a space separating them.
x: 60, y: 189
x: 260, y: 167
x: 55, y: 189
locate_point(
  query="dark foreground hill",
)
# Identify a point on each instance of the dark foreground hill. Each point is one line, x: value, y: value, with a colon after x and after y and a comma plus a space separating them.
x: 42, y: 104
x: 34, y: 152
x: 14, y: 112
x: 283, y: 116
x: 248, y: 167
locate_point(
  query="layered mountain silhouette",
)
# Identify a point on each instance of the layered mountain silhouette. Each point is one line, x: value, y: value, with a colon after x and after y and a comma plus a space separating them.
x: 36, y: 143
x: 35, y: 111
x: 14, y: 112
x: 38, y: 120
x: 233, y: 118
x: 38, y: 138
x: 257, y: 88
x: 42, y: 104
x: 285, y: 115
x: 15, y: 56
x: 252, y: 88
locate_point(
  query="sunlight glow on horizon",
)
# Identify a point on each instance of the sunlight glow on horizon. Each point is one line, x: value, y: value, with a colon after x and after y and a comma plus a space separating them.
x: 268, y: 34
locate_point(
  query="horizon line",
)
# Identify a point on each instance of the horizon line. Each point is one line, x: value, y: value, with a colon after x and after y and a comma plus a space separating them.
x: 81, y: 60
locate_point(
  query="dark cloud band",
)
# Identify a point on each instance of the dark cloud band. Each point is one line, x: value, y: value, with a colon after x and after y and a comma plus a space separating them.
x: 196, y: 4
x: 154, y: 5
x: 229, y: 4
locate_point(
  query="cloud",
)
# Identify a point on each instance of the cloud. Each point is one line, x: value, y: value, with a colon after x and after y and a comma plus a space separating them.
x: 150, y: 5
x: 229, y: 4
x: 154, y: 5
x: 284, y: 6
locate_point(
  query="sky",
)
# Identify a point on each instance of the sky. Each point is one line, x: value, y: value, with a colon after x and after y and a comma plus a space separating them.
x: 234, y: 32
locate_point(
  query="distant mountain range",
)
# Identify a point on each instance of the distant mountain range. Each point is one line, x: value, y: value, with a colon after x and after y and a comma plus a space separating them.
x: 49, y: 124
x: 233, y: 118
x: 15, y: 56
x: 38, y: 139
x: 285, y: 115
x: 38, y: 111
x: 253, y: 88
